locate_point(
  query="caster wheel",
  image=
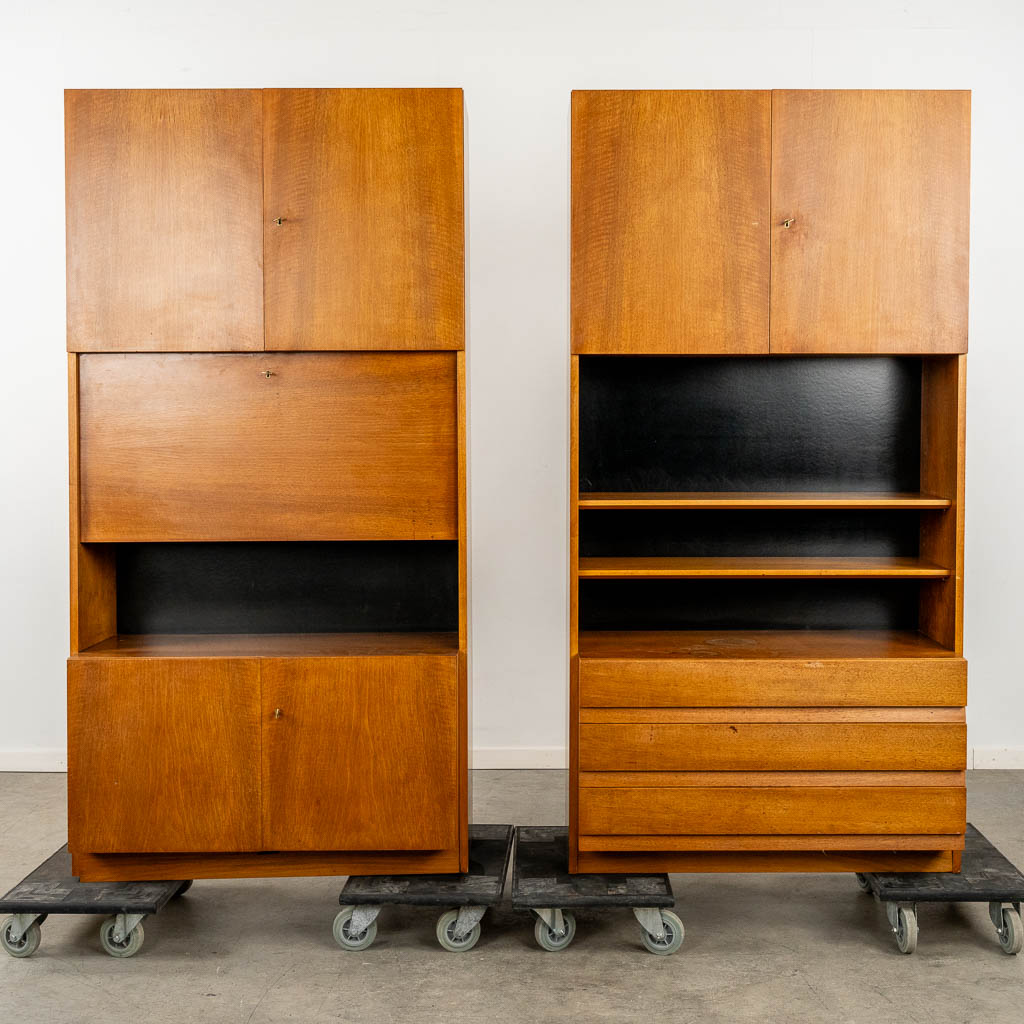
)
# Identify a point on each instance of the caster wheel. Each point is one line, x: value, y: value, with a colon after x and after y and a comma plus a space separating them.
x: 182, y: 889
x: 26, y: 945
x: 446, y: 933
x: 1011, y: 934
x: 862, y: 883
x: 128, y: 946
x: 905, y: 929
x: 343, y: 931
x: 672, y: 939
x: 550, y: 940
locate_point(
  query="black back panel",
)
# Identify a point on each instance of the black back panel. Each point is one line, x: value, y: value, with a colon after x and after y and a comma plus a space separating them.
x: 335, y: 587
x: 675, y: 423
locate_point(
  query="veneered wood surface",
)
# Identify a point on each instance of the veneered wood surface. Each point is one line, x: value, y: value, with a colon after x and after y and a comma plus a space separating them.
x: 764, y: 843
x: 758, y: 499
x: 271, y: 645
x: 775, y: 746
x: 670, y: 207
x: 877, y: 184
x: 464, y: 752
x: 731, y: 779
x: 164, y: 219
x: 728, y: 567
x: 332, y: 446
x: 772, y: 810
x: 368, y: 185
x: 163, y: 755
x: 364, y: 755
x: 943, y: 450
x: 572, y: 718
x: 771, y: 860
x: 136, y: 867
x: 731, y: 715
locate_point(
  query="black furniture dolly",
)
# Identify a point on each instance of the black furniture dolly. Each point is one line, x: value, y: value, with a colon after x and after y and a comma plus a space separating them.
x: 541, y: 883
x: 458, y: 930
x: 52, y: 889
x: 985, y: 876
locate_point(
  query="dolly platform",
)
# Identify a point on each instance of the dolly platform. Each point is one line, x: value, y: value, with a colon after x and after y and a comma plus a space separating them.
x: 458, y: 930
x: 52, y: 889
x: 541, y: 883
x: 985, y: 876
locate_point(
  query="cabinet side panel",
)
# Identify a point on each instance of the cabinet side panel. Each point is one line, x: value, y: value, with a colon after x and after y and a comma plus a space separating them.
x: 164, y: 219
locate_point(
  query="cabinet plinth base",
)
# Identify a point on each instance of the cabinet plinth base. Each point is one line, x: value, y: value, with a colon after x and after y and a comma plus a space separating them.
x: 774, y: 860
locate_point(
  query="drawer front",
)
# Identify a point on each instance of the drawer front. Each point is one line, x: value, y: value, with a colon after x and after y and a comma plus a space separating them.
x: 163, y: 755
x: 360, y: 753
x: 208, y: 447
x: 775, y: 746
x: 868, y: 682
x: 783, y: 810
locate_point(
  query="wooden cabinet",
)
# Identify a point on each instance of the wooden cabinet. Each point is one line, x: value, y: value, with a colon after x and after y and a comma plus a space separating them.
x: 268, y: 670
x: 870, y: 203
x: 357, y: 753
x: 766, y: 552
x: 364, y: 218
x: 163, y: 755
x: 164, y: 219
x: 857, y: 201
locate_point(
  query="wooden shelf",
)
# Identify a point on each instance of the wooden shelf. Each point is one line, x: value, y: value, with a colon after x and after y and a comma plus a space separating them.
x: 759, y: 499
x: 272, y: 645
x: 760, y: 644
x: 762, y: 568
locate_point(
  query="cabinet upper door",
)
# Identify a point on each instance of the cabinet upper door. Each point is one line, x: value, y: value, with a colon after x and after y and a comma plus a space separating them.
x: 875, y: 187
x: 364, y: 219
x: 670, y: 241
x: 164, y: 219
x: 360, y: 753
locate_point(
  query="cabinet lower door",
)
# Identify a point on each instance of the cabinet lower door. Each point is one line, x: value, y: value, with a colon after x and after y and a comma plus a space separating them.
x: 360, y: 753
x: 163, y: 755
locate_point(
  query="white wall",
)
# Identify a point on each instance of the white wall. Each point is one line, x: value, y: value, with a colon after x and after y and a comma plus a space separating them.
x: 517, y: 63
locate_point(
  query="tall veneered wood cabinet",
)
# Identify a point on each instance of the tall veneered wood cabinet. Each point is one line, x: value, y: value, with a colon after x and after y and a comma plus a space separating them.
x: 268, y: 501
x: 769, y: 328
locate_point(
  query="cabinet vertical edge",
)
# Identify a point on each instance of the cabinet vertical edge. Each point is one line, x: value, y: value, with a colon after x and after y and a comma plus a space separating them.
x: 573, y: 715
x: 465, y: 717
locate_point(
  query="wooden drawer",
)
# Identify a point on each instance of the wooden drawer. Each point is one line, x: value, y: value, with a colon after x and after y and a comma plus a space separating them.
x: 695, y: 682
x: 783, y: 810
x: 208, y: 447
x: 163, y: 755
x: 774, y: 746
x: 360, y: 753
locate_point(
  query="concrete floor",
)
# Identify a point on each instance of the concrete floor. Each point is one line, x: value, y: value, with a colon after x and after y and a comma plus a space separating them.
x: 770, y: 948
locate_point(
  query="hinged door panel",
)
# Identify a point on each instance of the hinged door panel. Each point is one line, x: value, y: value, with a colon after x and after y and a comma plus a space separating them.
x: 360, y: 753
x: 870, y: 197
x: 364, y: 219
x: 164, y: 219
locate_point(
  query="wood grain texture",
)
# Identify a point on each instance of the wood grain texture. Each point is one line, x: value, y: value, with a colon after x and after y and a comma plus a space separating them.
x: 758, y: 499
x: 732, y: 715
x: 339, y: 446
x: 764, y: 861
x: 877, y: 184
x: 271, y: 645
x: 572, y: 718
x: 895, y: 810
x: 370, y: 251
x: 163, y: 755
x: 117, y: 867
x: 464, y: 752
x: 766, y: 843
x: 776, y: 746
x: 943, y: 451
x: 164, y: 219
x: 363, y: 755
x: 802, y: 779
x: 670, y: 207
x: 767, y: 568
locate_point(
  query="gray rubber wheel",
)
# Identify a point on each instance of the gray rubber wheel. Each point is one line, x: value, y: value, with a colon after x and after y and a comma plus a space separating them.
x: 862, y: 882
x: 905, y: 929
x: 343, y: 932
x: 182, y: 889
x: 673, y: 937
x: 128, y: 946
x: 26, y: 945
x: 549, y: 940
x: 1011, y: 935
x: 445, y: 932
